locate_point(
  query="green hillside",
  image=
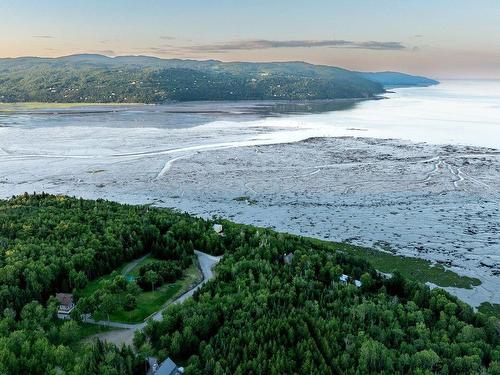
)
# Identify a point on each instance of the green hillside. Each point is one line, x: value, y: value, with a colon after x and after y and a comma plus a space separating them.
x: 141, y: 79
x: 395, y: 79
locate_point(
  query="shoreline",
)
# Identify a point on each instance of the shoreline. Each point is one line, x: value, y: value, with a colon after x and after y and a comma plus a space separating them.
x: 383, y: 206
x: 312, y: 174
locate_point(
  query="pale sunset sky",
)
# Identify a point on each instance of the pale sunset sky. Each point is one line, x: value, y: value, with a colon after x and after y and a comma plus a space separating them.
x: 437, y: 38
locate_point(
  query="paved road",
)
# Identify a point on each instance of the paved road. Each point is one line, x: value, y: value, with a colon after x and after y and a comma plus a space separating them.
x: 125, y: 335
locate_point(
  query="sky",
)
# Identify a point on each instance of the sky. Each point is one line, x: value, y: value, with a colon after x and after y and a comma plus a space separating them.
x: 436, y: 38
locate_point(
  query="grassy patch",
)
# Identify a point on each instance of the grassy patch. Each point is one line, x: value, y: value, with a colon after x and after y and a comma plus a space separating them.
x: 135, y: 271
x: 247, y: 200
x: 98, y: 283
x: 150, y: 302
x: 490, y: 309
x: 413, y: 268
x: 95, y: 171
x: 147, y: 302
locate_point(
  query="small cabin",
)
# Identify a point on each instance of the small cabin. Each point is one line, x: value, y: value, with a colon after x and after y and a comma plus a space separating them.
x: 66, y: 303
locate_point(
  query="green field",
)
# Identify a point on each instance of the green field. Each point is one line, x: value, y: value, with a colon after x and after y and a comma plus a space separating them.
x: 86, y: 329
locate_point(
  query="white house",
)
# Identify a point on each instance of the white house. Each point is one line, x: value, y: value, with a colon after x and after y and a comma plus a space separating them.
x: 66, y: 304
x: 345, y: 279
x: 218, y: 229
x: 287, y: 258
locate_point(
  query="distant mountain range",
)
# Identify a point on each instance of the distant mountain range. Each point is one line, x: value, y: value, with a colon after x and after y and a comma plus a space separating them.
x: 395, y: 79
x: 144, y: 79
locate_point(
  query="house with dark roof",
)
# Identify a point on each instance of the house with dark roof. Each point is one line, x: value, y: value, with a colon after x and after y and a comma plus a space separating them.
x: 167, y: 367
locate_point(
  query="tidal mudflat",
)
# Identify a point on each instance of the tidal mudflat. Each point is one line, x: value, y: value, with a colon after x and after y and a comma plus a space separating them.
x: 434, y: 202
x: 340, y: 176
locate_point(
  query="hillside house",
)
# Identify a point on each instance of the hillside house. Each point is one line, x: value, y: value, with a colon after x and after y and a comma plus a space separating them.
x: 167, y: 367
x: 287, y: 258
x: 218, y: 229
x: 66, y: 304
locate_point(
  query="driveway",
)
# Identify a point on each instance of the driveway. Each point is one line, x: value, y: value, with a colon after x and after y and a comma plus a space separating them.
x: 125, y: 333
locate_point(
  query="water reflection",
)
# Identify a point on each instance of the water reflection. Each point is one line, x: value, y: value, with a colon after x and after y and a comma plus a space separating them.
x: 172, y: 115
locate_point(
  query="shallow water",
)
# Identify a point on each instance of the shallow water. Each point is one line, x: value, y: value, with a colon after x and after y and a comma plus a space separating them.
x: 454, y: 112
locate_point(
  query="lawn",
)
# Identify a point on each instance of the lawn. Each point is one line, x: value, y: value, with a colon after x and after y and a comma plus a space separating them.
x: 134, y: 272
x: 150, y: 302
x: 147, y: 302
x: 93, y: 285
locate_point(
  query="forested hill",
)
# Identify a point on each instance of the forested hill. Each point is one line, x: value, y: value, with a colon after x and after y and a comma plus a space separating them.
x: 142, y: 79
x: 395, y: 79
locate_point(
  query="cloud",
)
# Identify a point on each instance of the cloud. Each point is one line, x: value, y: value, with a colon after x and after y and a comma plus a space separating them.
x: 167, y: 37
x: 43, y: 36
x: 268, y: 44
x: 107, y: 52
x: 165, y: 49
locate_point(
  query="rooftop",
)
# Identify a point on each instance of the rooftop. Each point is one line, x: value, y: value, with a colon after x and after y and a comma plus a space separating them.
x: 65, y: 299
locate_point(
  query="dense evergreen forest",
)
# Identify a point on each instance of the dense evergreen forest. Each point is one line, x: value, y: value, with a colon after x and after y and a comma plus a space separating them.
x: 52, y: 244
x: 263, y: 313
x: 138, y: 79
x: 56, y: 244
x: 264, y: 316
